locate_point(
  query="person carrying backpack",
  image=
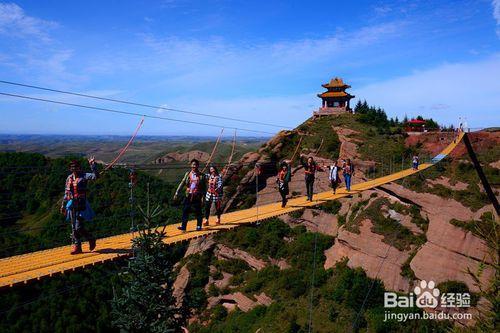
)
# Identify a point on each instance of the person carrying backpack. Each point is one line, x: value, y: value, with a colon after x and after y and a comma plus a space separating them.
x: 76, y: 206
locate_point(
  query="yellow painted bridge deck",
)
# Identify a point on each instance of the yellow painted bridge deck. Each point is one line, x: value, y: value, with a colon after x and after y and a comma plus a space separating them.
x: 36, y: 265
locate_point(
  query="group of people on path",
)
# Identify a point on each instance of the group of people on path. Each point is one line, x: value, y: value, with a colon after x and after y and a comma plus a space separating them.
x: 310, y: 168
x: 200, y: 192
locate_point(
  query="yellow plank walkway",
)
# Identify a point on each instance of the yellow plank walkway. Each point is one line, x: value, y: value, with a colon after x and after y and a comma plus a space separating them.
x: 33, y: 266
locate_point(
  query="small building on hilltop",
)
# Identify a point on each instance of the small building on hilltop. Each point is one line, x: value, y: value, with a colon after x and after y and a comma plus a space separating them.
x: 335, y: 100
x: 415, y: 125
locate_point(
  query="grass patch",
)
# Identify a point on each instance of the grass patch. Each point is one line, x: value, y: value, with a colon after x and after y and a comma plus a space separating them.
x: 458, y: 287
x: 341, y: 219
x: 486, y: 226
x: 406, y: 270
x: 394, y: 233
x: 232, y: 266
x: 353, y: 222
x: 331, y: 207
x: 297, y: 214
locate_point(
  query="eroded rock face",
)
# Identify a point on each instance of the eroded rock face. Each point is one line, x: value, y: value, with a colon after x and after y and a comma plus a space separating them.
x: 200, y: 245
x: 183, y: 157
x: 180, y: 285
x: 435, y: 142
x: 244, y: 303
x: 440, y: 211
x: 367, y: 250
x: 314, y: 220
x: 459, y: 186
x: 405, y: 220
x: 436, y: 263
x: 448, y: 253
x: 222, y: 283
x: 449, y: 250
x: 223, y: 252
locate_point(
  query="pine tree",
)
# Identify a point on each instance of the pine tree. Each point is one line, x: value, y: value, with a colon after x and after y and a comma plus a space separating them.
x: 364, y: 107
x: 144, y: 301
x: 357, y: 108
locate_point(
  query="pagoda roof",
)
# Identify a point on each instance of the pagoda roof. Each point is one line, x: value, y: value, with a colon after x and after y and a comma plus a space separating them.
x: 336, y: 83
x: 335, y: 94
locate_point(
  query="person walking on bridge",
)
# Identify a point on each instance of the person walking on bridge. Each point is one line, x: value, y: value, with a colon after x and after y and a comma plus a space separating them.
x: 214, y: 194
x: 334, y: 176
x: 348, y: 172
x: 310, y: 168
x: 284, y: 177
x: 416, y: 162
x: 76, y: 206
x: 194, y: 184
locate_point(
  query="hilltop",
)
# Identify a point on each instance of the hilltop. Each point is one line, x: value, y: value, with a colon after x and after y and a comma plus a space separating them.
x: 436, y: 225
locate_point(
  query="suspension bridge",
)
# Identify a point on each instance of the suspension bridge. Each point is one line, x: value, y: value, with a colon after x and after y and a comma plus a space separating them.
x: 21, y: 269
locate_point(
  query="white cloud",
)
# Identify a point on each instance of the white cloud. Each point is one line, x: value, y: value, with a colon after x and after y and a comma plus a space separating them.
x: 496, y: 14
x: 15, y: 22
x: 444, y: 93
x: 30, y: 50
x: 216, y: 63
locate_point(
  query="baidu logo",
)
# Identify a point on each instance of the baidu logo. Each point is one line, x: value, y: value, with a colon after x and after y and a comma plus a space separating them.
x: 427, y: 295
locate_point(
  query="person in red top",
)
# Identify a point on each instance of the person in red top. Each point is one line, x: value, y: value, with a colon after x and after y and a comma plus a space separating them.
x: 194, y: 183
x: 310, y: 168
x: 76, y: 206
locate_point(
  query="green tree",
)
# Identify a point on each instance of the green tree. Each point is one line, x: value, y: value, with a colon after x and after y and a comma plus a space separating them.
x: 144, y: 301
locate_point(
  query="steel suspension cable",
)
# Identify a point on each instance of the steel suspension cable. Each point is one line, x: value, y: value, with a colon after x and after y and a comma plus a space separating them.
x: 140, y: 104
x: 128, y: 113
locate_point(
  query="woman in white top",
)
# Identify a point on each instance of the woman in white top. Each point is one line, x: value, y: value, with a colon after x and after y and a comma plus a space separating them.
x: 334, y: 176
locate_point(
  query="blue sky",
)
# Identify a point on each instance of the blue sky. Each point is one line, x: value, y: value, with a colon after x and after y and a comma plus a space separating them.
x: 259, y: 60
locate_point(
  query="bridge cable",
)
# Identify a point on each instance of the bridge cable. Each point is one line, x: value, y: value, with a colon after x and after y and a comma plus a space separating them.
x: 230, y: 159
x: 296, y: 150
x: 213, y: 150
x: 140, y: 104
x: 128, y: 113
x: 124, y: 149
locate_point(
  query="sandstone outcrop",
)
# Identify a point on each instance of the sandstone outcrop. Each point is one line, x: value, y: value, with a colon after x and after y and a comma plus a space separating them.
x: 238, y: 299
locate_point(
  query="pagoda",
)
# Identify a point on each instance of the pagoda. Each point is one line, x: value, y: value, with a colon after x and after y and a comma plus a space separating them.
x: 335, y: 100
